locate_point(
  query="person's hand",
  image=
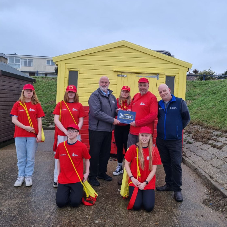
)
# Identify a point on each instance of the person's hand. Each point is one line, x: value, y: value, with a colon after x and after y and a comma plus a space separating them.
x: 39, y: 138
x: 142, y: 185
x: 85, y: 177
x: 29, y: 129
x: 133, y: 123
x: 118, y: 109
x: 128, y: 109
x: 116, y: 121
x: 135, y: 182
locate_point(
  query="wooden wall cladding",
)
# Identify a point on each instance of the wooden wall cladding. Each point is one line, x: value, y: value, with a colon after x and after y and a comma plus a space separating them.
x: 10, y: 90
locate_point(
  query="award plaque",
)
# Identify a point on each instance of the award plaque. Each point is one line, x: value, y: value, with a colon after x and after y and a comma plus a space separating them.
x: 126, y: 117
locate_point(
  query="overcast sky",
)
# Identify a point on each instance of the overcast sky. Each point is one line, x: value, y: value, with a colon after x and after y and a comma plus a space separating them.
x: 194, y: 31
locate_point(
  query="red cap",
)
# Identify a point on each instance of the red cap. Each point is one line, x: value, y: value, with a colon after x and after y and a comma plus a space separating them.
x: 143, y: 80
x: 28, y: 87
x: 125, y: 88
x: 71, y: 88
x: 145, y: 129
x: 74, y: 126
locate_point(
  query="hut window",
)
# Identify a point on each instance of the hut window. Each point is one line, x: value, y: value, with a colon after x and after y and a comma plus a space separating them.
x: 170, y: 83
x: 73, y: 78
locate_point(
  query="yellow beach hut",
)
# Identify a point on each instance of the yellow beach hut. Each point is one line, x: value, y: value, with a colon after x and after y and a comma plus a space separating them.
x: 123, y: 63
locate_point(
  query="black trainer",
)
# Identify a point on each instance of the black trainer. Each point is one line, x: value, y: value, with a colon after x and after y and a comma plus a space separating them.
x: 93, y: 182
x: 178, y: 196
x: 164, y: 188
x: 105, y: 177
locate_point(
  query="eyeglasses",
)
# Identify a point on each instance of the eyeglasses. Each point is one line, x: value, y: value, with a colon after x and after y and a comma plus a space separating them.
x: 71, y: 131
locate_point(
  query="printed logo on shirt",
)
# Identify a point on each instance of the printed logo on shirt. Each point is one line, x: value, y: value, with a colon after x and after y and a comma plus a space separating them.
x: 62, y: 154
x: 21, y: 110
x: 147, y: 157
x: 64, y: 109
x: 173, y: 108
x: 113, y: 102
x: 74, y: 154
x: 74, y: 109
x: 31, y: 109
x: 142, y: 104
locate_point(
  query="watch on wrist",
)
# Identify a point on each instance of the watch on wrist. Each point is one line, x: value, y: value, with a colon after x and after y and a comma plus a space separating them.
x: 146, y: 181
x: 131, y: 177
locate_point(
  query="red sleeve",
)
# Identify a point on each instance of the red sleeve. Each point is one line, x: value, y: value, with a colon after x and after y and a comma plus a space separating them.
x: 81, y: 113
x: 14, y: 110
x: 86, y: 154
x: 57, y: 153
x: 57, y: 109
x: 40, y: 112
x: 156, y: 160
x: 130, y: 153
x: 152, y: 115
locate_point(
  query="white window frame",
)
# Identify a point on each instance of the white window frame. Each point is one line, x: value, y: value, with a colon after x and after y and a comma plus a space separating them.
x: 26, y: 60
x: 51, y: 63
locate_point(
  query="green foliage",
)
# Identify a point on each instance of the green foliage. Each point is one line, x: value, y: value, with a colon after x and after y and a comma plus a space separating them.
x: 46, y: 89
x: 206, y: 72
x: 207, y: 103
x: 225, y: 73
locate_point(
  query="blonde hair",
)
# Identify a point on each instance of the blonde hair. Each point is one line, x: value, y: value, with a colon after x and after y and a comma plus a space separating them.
x: 34, y: 98
x: 66, y: 97
x: 140, y: 153
x: 121, y: 99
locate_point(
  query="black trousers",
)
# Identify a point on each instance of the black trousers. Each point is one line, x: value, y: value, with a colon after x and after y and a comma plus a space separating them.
x: 69, y: 194
x: 121, y: 139
x: 145, y: 198
x: 171, y: 155
x: 100, y: 146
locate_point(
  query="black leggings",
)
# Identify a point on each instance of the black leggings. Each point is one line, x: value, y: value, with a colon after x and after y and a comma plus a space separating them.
x: 121, y: 138
x: 69, y: 194
x: 145, y: 198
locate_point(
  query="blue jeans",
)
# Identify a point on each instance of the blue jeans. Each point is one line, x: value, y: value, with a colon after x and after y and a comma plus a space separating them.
x: 25, y: 148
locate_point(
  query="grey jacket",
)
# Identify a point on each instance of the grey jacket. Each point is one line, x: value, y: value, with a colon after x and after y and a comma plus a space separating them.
x: 102, y: 110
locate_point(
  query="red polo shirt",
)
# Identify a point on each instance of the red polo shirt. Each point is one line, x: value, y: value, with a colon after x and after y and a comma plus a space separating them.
x: 35, y: 111
x: 77, y: 151
x: 146, y: 108
x: 76, y: 109
x: 131, y: 156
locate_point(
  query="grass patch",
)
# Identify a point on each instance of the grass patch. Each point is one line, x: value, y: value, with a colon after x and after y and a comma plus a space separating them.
x: 46, y: 89
x: 207, y: 103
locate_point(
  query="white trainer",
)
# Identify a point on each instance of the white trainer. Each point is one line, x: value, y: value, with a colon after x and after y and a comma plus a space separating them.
x: 118, y: 170
x: 28, y: 181
x: 19, y: 182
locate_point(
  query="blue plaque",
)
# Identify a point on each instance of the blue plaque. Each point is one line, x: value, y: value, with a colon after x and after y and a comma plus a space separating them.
x: 126, y: 116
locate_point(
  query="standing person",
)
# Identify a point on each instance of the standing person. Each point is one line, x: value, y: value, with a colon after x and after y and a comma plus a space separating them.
x: 67, y: 112
x: 145, y: 105
x: 141, y: 162
x: 102, y: 112
x: 173, y: 117
x: 121, y: 131
x: 27, y: 137
x: 70, y: 189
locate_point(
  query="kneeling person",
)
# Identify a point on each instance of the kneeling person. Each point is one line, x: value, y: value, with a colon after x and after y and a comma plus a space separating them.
x: 70, y: 189
x: 141, y: 162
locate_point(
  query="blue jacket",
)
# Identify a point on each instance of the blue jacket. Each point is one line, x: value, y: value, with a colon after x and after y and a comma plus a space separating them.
x: 172, y: 119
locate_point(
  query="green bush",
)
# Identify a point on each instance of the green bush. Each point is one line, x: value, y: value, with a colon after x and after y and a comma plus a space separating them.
x: 46, y: 89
